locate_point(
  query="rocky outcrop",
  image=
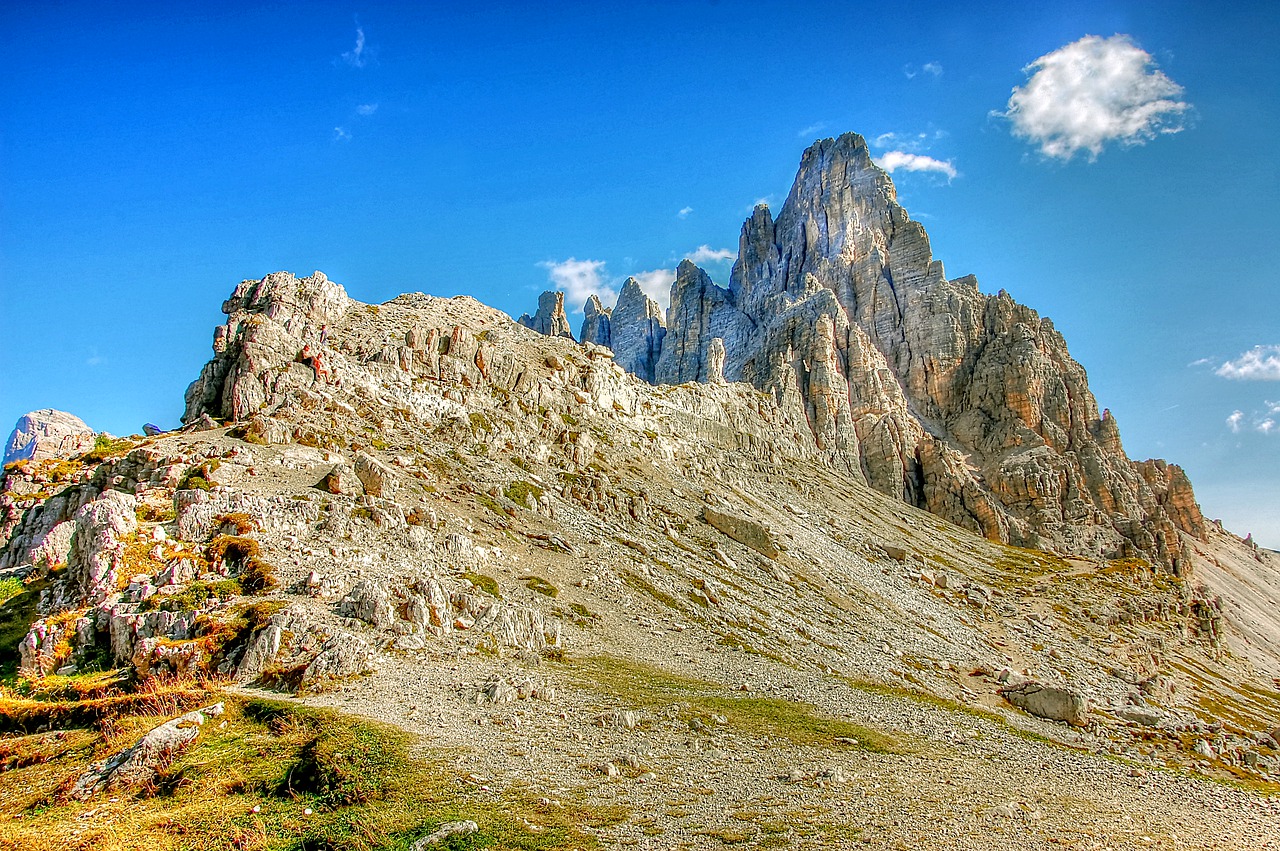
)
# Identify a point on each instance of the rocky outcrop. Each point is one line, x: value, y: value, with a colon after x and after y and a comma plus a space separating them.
x: 637, y: 331
x: 139, y: 764
x: 550, y: 318
x: 48, y: 434
x: 274, y: 327
x: 596, y: 326
x: 1051, y: 702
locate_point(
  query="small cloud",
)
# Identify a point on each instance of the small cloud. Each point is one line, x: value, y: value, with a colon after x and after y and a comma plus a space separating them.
x: 891, y: 161
x: 1091, y: 92
x: 366, y: 109
x: 1261, y: 363
x: 683, y: 212
x: 1265, y: 422
x: 355, y: 57
x: 579, y: 280
x: 707, y: 254
x: 1199, y: 362
x: 341, y: 134
x: 931, y: 69
x: 94, y: 359
x: 912, y: 143
x: 808, y: 132
x: 656, y: 284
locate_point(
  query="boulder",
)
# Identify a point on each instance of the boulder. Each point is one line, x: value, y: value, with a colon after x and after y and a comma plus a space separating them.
x: 378, y: 478
x: 1051, y: 702
x: 137, y: 765
x: 744, y: 531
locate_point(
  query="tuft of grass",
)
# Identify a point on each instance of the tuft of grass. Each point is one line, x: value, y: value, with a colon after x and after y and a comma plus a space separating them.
x: 195, y: 596
x: 487, y: 584
x: 540, y: 585
x: 105, y: 447
x: 648, y: 686
x: 518, y: 492
x: 238, y: 520
x: 10, y: 588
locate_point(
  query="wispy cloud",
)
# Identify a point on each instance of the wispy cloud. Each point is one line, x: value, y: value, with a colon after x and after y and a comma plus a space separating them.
x: 706, y: 254
x: 807, y: 132
x: 1265, y: 422
x: 341, y: 134
x: 1261, y: 363
x: 891, y: 161
x: 912, y: 143
x: 683, y: 212
x: 579, y: 280
x: 355, y: 57
x: 1091, y: 92
x: 656, y: 284
x: 928, y: 69
x: 366, y: 109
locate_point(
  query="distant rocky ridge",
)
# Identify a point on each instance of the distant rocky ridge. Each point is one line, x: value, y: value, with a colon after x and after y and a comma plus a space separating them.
x: 965, y: 404
x: 47, y: 434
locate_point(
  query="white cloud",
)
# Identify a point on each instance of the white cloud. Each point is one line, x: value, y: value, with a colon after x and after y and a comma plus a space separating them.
x: 355, y: 57
x: 1266, y: 422
x: 1234, y: 421
x: 657, y: 285
x: 808, y: 132
x: 1261, y: 363
x: 340, y: 134
x: 683, y: 212
x: 367, y: 109
x: 706, y: 254
x: 932, y: 69
x: 579, y: 280
x: 893, y: 160
x: 1091, y: 92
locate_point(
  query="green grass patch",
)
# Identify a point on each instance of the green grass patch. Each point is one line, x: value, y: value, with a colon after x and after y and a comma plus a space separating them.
x: 518, y: 492
x: 487, y: 584
x: 316, y: 778
x: 540, y: 585
x: 648, y: 686
x: 17, y: 613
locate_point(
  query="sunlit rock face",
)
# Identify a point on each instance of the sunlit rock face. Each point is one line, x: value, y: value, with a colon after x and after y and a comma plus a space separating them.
x: 953, y: 400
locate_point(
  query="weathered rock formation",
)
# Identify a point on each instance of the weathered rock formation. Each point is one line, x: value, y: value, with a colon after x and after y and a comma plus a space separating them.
x: 963, y: 403
x: 637, y: 331
x: 550, y: 318
x: 595, y: 323
x: 48, y: 434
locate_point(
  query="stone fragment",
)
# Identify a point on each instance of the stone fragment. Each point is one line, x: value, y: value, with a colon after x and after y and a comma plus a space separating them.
x: 1051, y: 702
x: 444, y: 832
x: 342, y: 479
x: 742, y: 530
x: 137, y: 765
x: 378, y: 478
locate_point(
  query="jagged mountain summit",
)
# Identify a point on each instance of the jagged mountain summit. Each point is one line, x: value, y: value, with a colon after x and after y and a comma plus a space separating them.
x: 966, y: 404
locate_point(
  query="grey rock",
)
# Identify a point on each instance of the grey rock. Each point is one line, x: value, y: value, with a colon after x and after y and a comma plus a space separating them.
x: 1051, y: 702
x: 136, y: 765
x: 48, y: 433
x: 744, y: 531
x: 444, y: 832
x: 596, y: 326
x: 550, y: 318
x: 379, y: 479
x: 637, y: 331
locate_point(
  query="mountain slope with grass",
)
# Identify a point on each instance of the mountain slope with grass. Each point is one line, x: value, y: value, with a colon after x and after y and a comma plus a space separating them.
x: 430, y: 578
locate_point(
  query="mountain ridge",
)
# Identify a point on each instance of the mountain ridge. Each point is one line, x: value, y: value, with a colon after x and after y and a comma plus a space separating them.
x: 966, y: 404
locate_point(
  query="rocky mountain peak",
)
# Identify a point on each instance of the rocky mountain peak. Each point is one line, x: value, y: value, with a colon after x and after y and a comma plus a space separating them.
x: 950, y: 399
x: 550, y: 319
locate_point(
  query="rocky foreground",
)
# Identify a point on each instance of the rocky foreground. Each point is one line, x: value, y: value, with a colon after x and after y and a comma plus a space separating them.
x: 665, y: 600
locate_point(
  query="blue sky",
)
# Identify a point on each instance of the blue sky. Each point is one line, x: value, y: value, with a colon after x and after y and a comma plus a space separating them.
x: 151, y: 158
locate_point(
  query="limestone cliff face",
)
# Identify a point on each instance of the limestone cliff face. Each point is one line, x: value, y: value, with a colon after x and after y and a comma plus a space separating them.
x: 963, y: 403
x: 550, y: 318
x: 595, y: 323
x: 637, y: 331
